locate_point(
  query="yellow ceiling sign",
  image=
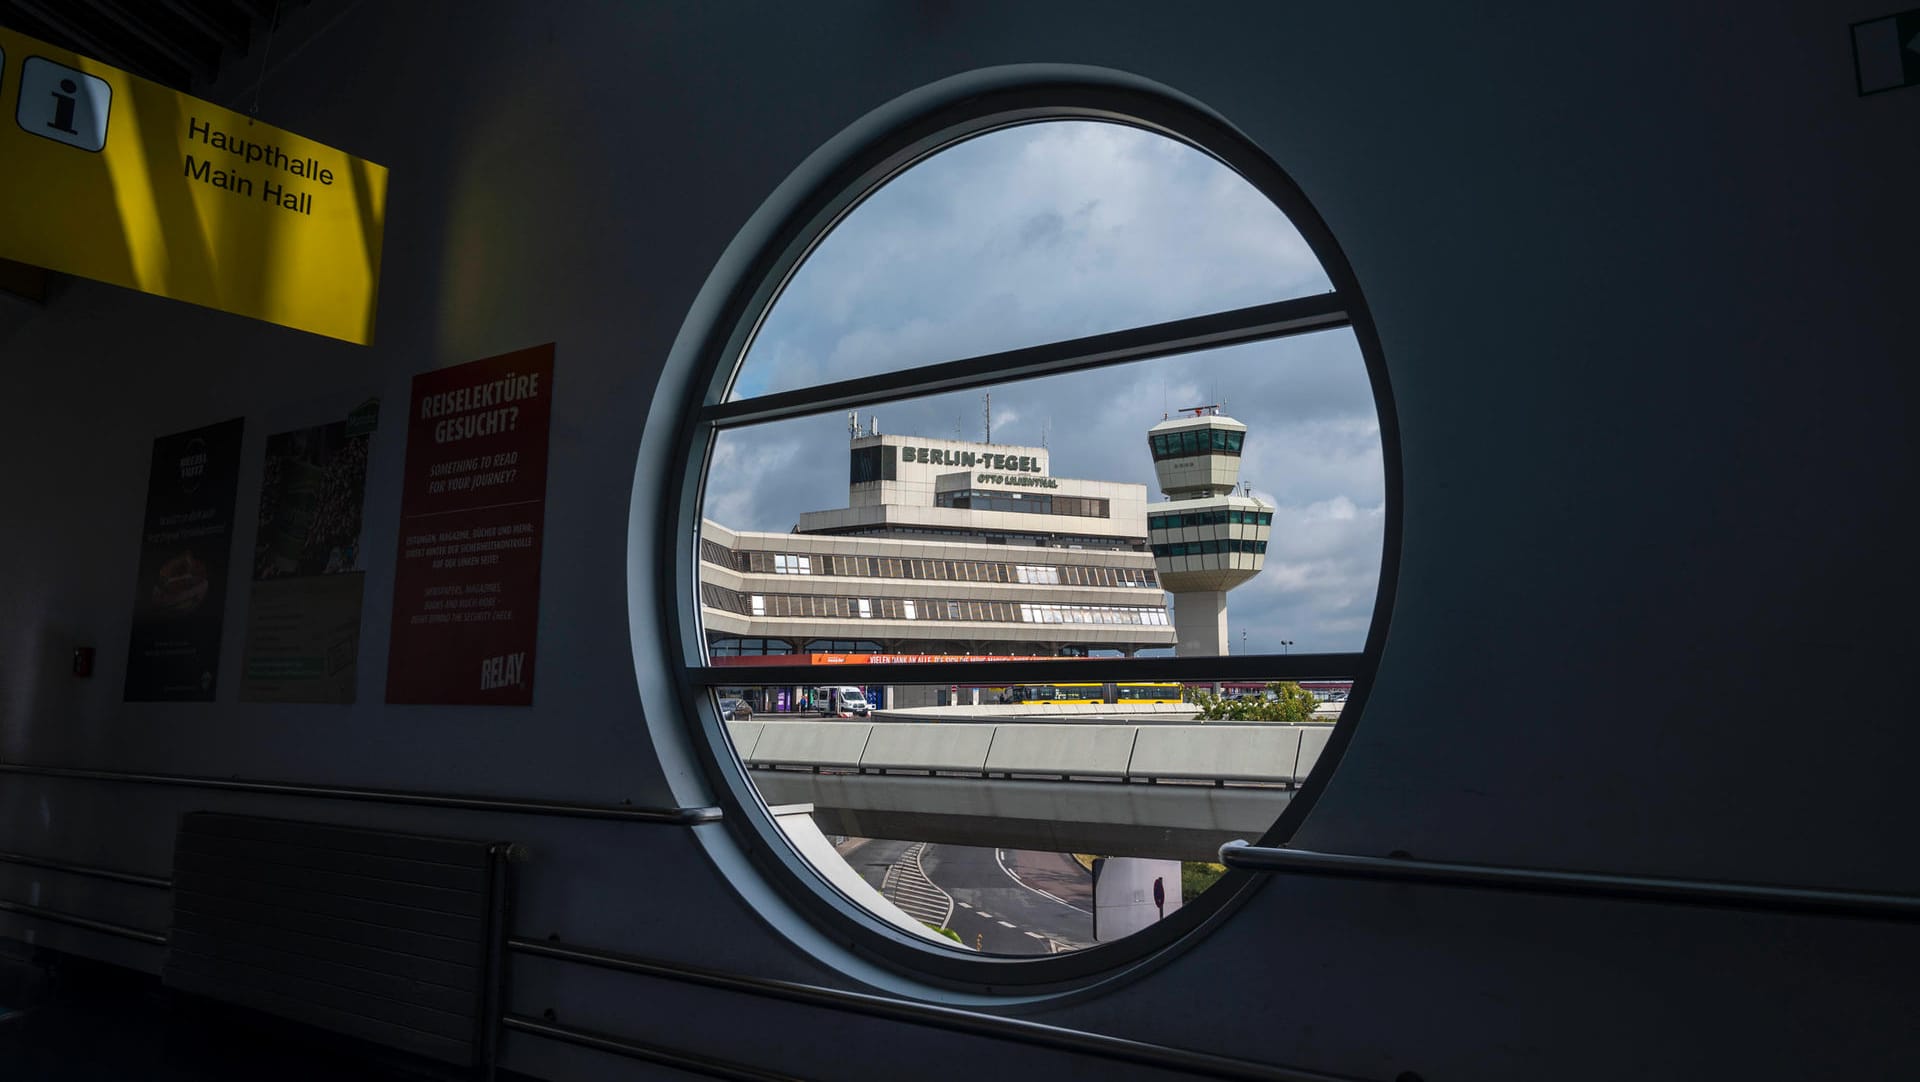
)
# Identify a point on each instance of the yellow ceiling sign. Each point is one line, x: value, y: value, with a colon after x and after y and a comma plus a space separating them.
x: 106, y: 175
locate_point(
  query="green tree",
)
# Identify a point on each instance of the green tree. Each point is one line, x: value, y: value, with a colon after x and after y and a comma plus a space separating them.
x: 1196, y: 876
x: 1284, y: 701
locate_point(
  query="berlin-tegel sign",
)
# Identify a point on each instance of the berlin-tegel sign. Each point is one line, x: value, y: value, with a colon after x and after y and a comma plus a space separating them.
x: 106, y: 175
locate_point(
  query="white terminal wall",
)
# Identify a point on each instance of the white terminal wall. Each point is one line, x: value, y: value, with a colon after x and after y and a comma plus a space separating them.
x: 934, y: 591
x: 967, y: 519
x: 1643, y: 277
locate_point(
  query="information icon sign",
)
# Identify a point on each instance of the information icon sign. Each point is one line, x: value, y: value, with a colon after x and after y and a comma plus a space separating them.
x: 62, y: 104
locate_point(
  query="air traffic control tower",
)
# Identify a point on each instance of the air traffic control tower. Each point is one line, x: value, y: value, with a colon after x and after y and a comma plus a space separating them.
x: 1206, y: 540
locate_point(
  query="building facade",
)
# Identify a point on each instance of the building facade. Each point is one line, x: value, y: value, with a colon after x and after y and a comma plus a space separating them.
x: 944, y: 547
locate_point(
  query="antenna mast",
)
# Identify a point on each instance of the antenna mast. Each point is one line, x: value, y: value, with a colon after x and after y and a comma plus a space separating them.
x: 988, y: 409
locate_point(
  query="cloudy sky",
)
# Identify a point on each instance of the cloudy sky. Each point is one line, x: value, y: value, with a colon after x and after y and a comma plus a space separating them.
x: 1059, y: 230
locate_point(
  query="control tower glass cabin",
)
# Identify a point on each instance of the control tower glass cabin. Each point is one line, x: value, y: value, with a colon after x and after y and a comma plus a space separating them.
x: 1206, y: 540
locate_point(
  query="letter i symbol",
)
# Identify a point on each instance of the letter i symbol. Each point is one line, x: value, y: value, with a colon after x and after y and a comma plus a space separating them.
x: 63, y: 110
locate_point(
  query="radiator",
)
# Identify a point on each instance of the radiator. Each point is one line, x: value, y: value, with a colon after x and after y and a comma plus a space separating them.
x: 390, y: 938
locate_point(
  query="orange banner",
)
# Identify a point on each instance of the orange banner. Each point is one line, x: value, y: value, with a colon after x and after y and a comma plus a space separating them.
x: 876, y: 659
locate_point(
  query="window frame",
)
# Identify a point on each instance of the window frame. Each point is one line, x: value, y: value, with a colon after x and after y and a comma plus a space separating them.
x: 913, y: 134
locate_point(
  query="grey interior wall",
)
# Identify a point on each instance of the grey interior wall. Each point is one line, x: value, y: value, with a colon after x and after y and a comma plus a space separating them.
x: 1644, y: 283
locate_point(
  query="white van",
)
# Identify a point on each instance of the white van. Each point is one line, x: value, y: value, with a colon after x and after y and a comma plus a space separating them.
x: 842, y: 702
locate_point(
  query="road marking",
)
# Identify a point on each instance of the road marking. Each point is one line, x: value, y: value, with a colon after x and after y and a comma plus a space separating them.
x: 997, y: 854
x: 966, y: 905
x: 1006, y: 924
x: 918, y: 851
x: 984, y: 913
x: 1036, y: 935
x: 908, y: 887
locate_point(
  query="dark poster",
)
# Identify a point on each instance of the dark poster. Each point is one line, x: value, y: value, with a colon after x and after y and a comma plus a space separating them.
x: 303, y: 616
x: 180, y: 597
x: 466, y: 591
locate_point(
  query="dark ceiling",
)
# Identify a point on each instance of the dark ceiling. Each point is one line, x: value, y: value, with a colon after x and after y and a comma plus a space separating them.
x: 183, y: 44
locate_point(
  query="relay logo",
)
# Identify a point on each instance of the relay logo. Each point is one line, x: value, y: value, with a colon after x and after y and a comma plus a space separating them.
x: 63, y: 104
x: 503, y: 671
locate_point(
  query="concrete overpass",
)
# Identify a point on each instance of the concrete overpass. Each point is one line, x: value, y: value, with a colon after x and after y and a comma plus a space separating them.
x: 1175, y: 791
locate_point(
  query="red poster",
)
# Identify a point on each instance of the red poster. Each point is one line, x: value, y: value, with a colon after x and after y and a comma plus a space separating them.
x: 466, y: 593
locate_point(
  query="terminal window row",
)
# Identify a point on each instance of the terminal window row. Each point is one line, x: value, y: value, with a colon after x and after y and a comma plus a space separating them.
x: 919, y: 608
x: 1218, y: 517
x: 736, y: 647
x: 901, y: 567
x: 843, y: 646
x: 1210, y: 548
x: 750, y: 647
x: 1090, y: 614
x: 1196, y: 441
x: 1047, y: 504
x: 996, y: 537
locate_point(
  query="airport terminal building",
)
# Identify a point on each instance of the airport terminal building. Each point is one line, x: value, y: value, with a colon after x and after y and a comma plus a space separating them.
x: 944, y: 547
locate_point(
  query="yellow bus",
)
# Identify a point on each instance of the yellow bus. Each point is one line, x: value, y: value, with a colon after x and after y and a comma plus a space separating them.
x: 1069, y: 694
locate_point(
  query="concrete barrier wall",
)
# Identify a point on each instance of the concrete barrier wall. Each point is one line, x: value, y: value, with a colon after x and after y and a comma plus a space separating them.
x: 812, y: 743
x: 1269, y: 754
x: 1313, y: 740
x: 744, y: 734
x: 1102, y: 750
x: 929, y: 747
x: 1224, y: 753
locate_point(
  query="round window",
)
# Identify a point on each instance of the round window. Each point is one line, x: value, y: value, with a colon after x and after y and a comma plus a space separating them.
x: 1041, y: 501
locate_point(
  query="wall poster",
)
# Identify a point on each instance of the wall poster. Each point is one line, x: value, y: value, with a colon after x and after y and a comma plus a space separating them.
x: 303, y: 614
x: 179, y: 604
x: 466, y: 591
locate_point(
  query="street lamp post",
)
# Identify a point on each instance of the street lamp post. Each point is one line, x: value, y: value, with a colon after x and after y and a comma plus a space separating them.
x: 1286, y: 645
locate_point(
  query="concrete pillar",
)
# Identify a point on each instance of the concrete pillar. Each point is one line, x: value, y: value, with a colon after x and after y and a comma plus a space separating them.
x: 1200, y: 621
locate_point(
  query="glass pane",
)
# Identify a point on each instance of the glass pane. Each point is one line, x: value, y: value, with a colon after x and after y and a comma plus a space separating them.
x: 1118, y: 786
x: 890, y: 569
x: 1027, y: 235
x: 1311, y: 487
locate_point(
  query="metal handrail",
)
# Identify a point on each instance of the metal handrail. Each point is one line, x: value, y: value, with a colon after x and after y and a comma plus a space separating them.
x: 1723, y: 895
x: 158, y: 939
x: 646, y: 1053
x: 1038, y: 1034
x: 91, y: 870
x: 621, y: 812
x: 1237, y: 326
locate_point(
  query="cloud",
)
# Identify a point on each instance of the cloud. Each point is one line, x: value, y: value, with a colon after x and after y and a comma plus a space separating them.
x: 1033, y: 234
x: 1058, y: 230
x: 1320, y: 580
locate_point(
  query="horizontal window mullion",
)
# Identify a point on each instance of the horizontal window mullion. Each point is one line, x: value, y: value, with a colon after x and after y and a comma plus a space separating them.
x: 1238, y: 326
x: 1264, y: 667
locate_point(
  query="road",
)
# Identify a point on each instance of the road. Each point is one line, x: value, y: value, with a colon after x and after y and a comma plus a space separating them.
x: 1004, y: 901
